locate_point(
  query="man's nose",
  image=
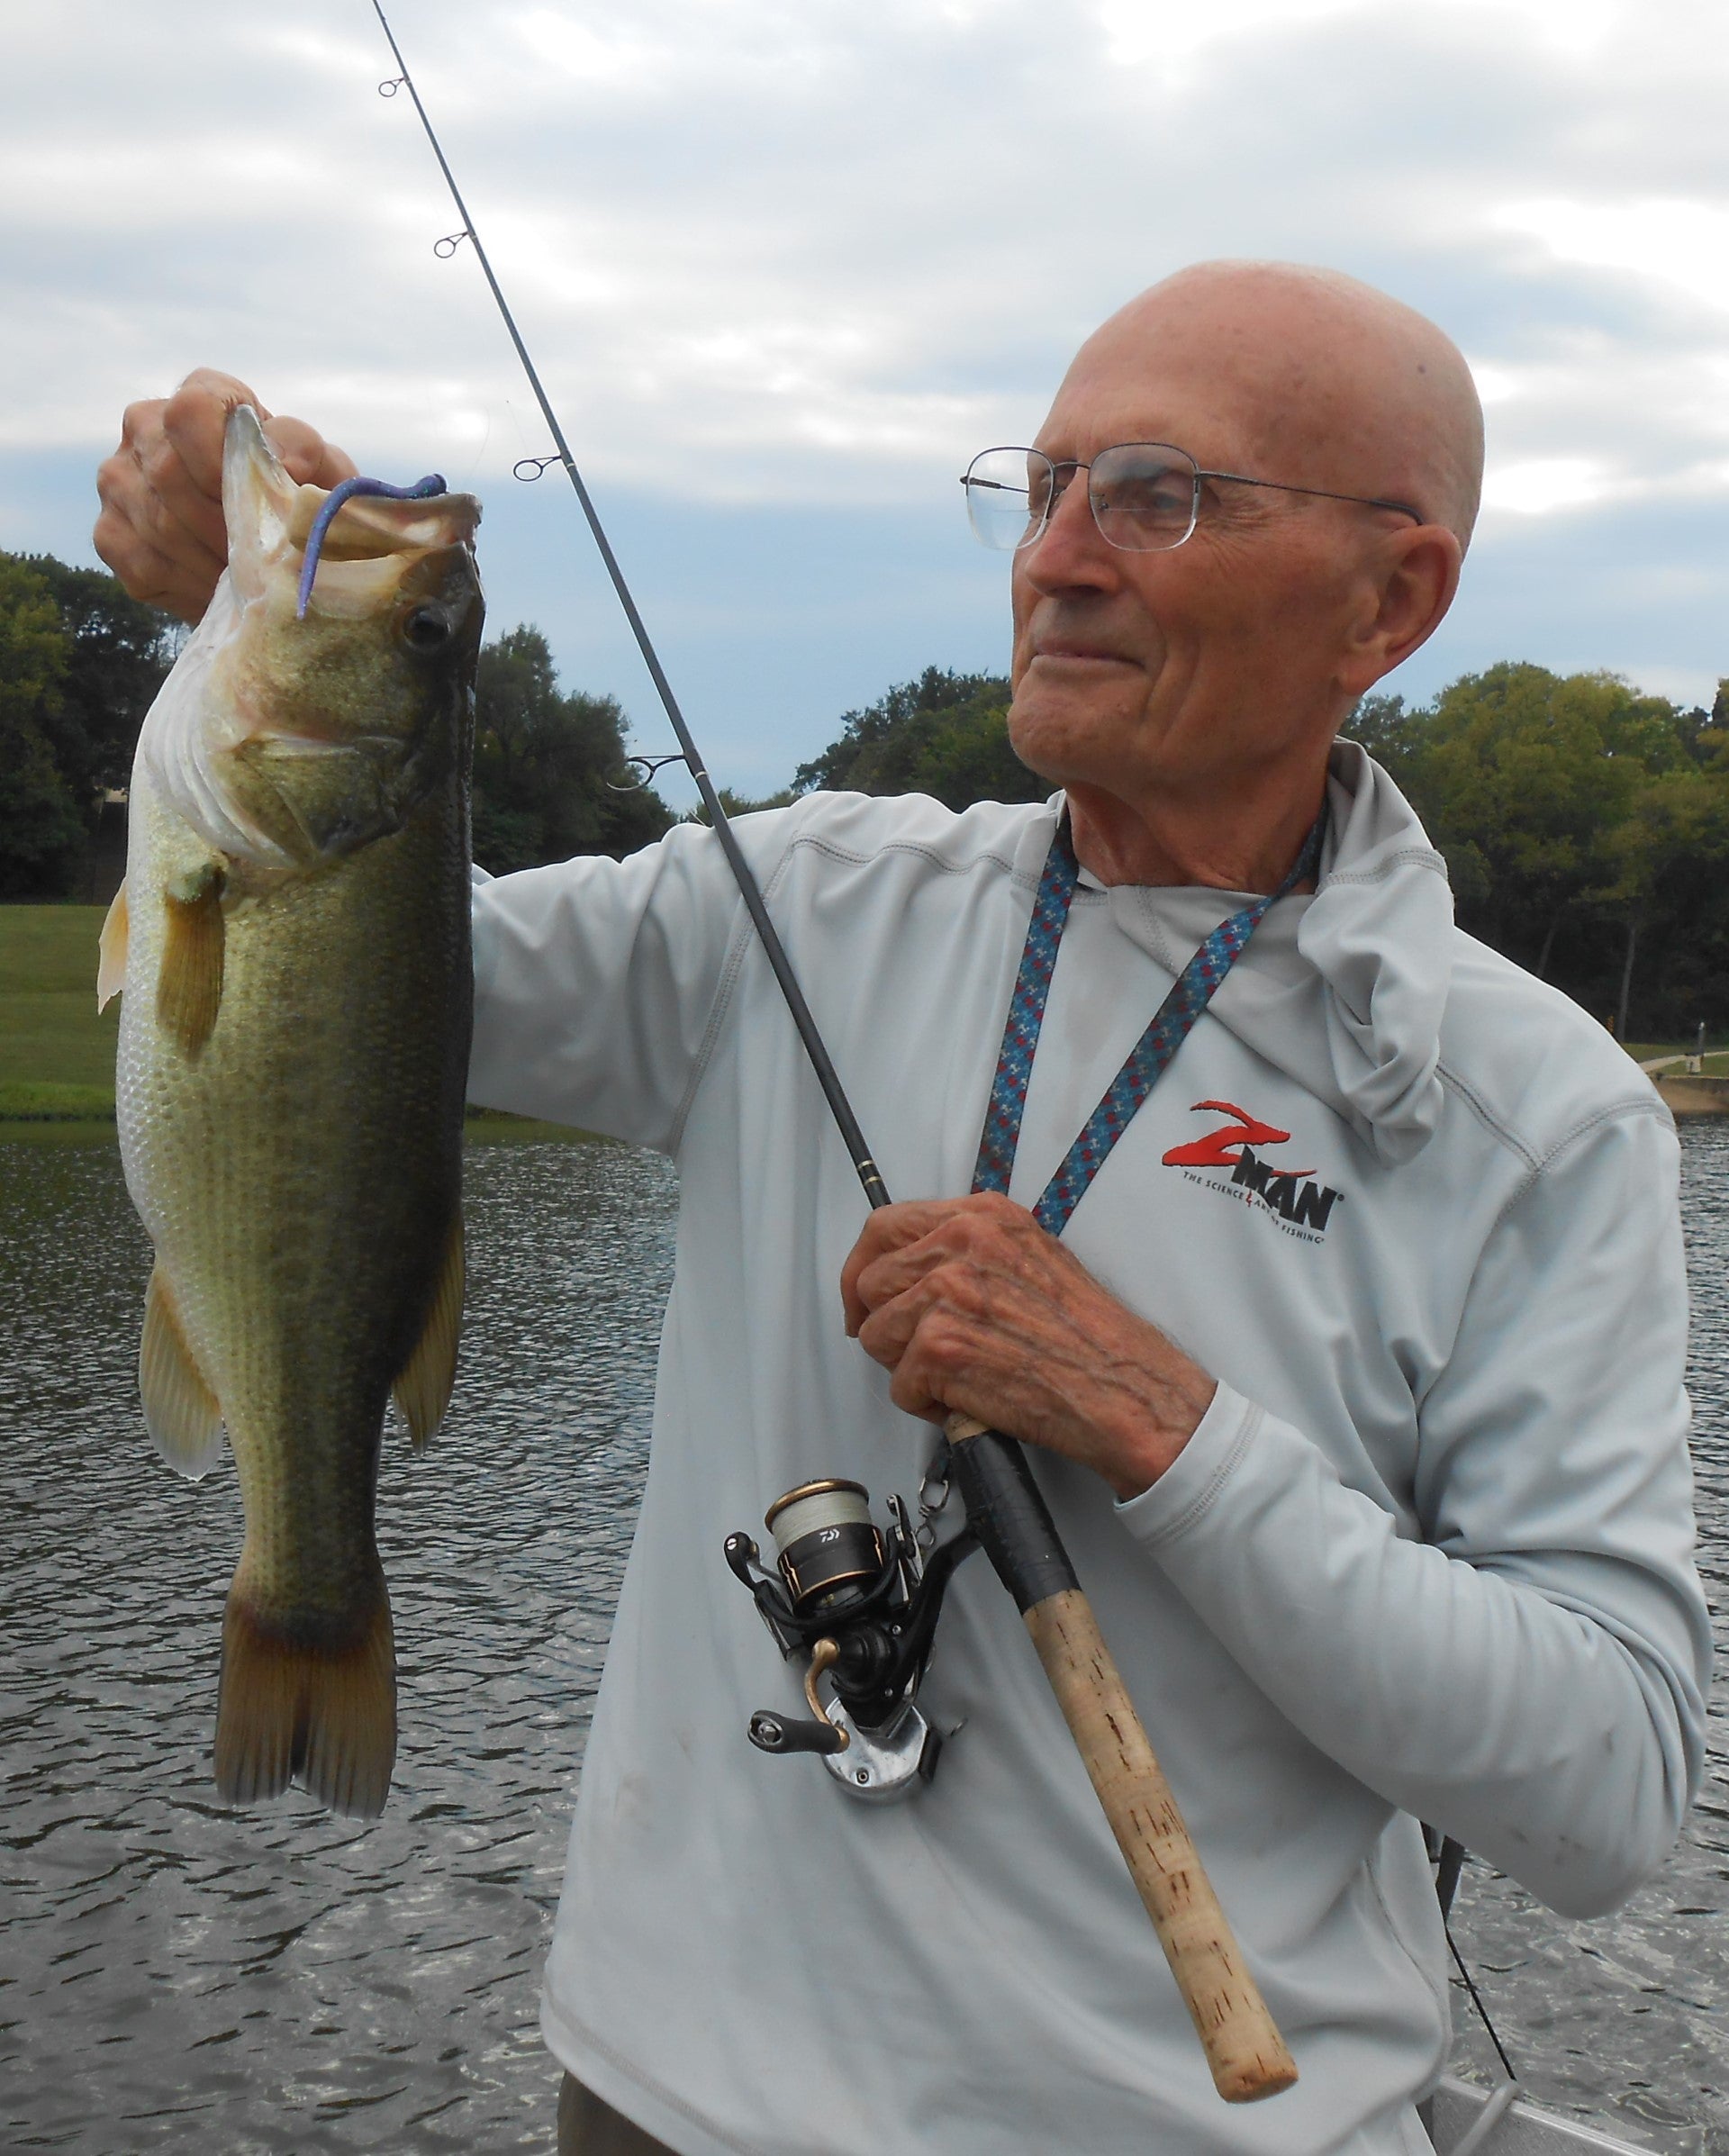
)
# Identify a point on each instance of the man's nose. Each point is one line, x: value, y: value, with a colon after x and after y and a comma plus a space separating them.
x: 1071, y: 553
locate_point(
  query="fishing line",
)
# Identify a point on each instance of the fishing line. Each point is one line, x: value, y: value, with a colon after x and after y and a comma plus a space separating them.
x: 1482, y: 2011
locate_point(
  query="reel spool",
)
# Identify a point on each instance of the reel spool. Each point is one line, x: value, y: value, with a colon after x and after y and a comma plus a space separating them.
x: 825, y: 1542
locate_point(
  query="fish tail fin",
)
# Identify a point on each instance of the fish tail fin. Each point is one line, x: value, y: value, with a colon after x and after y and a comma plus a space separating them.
x: 320, y: 1712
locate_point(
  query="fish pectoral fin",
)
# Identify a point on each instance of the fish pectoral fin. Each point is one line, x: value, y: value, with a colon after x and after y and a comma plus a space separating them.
x: 189, y: 987
x: 181, y: 1412
x: 423, y: 1387
x: 111, y: 946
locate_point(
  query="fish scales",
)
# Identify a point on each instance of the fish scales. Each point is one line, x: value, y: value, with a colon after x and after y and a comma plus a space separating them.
x: 293, y: 1048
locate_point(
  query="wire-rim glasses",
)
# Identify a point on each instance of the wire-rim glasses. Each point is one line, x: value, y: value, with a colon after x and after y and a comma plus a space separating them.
x: 1145, y: 495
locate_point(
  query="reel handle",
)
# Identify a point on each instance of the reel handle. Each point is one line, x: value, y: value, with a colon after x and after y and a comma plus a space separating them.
x: 770, y: 1732
x: 1245, y: 2051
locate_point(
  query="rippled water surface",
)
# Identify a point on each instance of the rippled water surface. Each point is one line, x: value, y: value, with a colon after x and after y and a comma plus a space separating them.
x: 173, y: 1976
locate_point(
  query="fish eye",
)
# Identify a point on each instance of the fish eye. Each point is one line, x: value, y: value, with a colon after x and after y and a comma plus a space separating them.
x: 426, y: 630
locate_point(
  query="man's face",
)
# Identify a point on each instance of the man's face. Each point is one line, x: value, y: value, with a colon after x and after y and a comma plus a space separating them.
x: 1175, y: 670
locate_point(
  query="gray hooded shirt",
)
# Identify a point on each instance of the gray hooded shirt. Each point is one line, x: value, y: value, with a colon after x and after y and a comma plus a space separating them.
x: 1428, y: 1556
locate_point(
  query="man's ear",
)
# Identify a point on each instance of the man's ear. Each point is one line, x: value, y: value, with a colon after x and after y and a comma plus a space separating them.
x: 1405, y: 601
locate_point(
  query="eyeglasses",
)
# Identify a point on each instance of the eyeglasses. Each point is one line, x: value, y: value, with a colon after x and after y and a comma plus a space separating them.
x: 1145, y: 495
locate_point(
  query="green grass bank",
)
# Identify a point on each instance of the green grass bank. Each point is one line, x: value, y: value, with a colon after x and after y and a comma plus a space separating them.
x: 57, y: 1055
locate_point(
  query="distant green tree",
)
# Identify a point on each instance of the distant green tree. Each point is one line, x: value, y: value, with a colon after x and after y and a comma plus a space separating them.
x: 1581, y: 823
x: 740, y: 804
x: 945, y: 734
x: 41, y: 833
x: 548, y: 766
x: 80, y: 665
x: 1519, y: 775
x: 119, y: 656
x: 1386, y: 730
x: 1665, y: 875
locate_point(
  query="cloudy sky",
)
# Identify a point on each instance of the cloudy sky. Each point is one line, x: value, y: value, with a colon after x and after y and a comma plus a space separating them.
x: 786, y: 263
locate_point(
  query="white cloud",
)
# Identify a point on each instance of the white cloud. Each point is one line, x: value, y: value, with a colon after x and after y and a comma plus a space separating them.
x: 1141, y: 35
x: 1545, y: 483
x: 1576, y: 27
x: 1679, y: 243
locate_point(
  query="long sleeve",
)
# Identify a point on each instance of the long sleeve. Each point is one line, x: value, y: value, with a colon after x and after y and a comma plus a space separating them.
x: 595, y: 982
x: 1530, y: 1677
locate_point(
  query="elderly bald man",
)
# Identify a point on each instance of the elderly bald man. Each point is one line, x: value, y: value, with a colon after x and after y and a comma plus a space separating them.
x: 1350, y: 1339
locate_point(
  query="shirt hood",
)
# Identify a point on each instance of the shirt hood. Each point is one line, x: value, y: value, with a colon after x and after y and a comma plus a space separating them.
x: 1378, y: 932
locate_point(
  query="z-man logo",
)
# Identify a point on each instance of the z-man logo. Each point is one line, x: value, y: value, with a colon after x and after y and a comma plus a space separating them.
x: 1303, y: 1205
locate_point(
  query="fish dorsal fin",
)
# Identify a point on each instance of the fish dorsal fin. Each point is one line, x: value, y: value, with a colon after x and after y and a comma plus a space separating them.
x: 258, y: 500
x: 180, y: 1410
x: 189, y: 986
x: 112, y: 945
x: 422, y: 1387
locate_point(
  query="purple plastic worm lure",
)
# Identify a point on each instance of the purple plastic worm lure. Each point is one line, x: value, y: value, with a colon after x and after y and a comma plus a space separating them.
x: 433, y: 483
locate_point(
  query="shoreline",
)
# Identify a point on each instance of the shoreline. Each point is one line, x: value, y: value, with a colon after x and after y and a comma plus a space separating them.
x: 1685, y: 1096
x: 95, y: 1126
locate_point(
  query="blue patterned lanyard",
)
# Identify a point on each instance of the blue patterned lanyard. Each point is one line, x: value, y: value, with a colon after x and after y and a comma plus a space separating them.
x: 1190, y: 995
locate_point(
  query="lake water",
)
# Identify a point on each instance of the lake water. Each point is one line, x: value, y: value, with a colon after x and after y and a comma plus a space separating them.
x: 175, y: 1976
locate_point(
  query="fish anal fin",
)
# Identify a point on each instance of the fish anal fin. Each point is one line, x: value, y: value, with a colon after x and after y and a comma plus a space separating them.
x: 297, y: 1707
x: 112, y: 945
x: 423, y: 1387
x: 181, y: 1412
x: 189, y: 986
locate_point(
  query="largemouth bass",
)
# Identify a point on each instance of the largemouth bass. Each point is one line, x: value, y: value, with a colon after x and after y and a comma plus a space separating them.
x: 293, y: 941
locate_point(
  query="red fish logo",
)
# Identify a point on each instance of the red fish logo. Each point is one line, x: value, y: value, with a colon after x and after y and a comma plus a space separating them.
x: 1223, y: 1148
x: 1301, y: 1201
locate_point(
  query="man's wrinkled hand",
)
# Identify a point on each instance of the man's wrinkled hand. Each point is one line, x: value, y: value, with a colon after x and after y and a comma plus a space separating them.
x: 161, y: 529
x: 972, y: 1306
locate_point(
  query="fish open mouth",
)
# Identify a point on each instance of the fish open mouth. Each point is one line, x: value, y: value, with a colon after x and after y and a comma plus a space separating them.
x: 366, y: 527
x: 359, y: 551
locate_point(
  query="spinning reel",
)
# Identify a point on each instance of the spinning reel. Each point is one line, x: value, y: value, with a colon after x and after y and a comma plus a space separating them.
x: 861, y: 1607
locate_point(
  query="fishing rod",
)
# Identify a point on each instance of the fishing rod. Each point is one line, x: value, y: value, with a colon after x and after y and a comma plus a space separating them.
x: 1005, y: 1509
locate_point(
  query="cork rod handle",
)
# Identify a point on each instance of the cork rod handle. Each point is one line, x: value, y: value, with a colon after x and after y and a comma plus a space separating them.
x: 1243, y: 2048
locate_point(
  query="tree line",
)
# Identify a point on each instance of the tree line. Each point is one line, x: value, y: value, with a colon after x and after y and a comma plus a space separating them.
x: 1586, y: 831
x: 80, y: 663
x: 1585, y: 825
